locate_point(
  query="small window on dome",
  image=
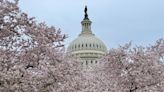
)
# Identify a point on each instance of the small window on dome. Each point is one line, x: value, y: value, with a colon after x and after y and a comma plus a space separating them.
x: 82, y: 45
x: 90, y: 45
x: 86, y: 45
x: 86, y: 62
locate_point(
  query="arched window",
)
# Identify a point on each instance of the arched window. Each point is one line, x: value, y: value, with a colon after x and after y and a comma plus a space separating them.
x: 96, y: 62
x: 82, y: 45
x: 91, y: 61
x: 90, y: 45
x: 86, y: 45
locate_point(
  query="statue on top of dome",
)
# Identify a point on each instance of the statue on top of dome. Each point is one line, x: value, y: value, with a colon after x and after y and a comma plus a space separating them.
x: 86, y: 15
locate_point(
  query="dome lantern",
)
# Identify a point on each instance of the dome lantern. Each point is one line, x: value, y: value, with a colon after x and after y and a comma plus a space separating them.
x: 86, y: 24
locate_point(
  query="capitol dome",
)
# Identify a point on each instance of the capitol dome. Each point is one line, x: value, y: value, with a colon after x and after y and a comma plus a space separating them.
x: 87, y: 46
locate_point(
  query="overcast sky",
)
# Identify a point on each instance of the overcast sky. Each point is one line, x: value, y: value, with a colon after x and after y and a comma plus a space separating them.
x: 115, y: 22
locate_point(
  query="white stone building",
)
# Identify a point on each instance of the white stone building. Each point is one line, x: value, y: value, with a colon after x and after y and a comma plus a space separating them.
x: 87, y: 46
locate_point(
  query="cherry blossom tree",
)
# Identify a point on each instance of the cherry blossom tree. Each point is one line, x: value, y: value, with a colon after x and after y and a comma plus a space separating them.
x: 140, y: 69
x: 32, y: 55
